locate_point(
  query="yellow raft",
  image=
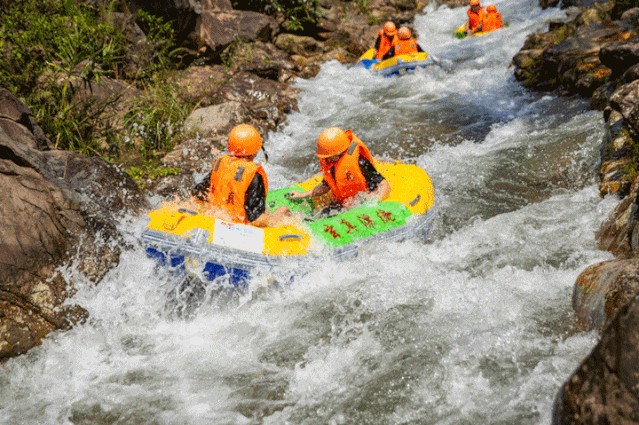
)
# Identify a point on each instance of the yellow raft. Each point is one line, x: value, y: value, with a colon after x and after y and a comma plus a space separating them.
x: 460, y: 32
x: 186, y: 235
x: 397, y: 65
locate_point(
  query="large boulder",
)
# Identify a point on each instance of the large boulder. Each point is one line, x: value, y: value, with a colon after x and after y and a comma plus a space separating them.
x: 625, y: 100
x: 605, y: 387
x: 619, y: 56
x: 60, y: 207
x: 214, y: 120
x: 218, y: 29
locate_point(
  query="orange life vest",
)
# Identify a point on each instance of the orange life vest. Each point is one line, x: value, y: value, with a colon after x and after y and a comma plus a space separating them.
x: 349, y: 179
x: 230, y: 178
x: 492, y: 21
x: 403, y: 47
x: 384, y: 44
x: 475, y: 18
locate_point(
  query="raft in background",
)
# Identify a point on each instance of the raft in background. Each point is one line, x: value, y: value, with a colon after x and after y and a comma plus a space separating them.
x: 460, y: 32
x: 397, y: 65
x: 185, y: 238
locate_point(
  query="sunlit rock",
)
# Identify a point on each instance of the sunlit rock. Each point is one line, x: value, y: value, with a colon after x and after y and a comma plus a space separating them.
x: 59, y: 207
x: 603, y: 390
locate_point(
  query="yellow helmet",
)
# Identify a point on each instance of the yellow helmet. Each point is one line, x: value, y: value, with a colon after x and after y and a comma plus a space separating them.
x: 244, y: 140
x: 332, y: 141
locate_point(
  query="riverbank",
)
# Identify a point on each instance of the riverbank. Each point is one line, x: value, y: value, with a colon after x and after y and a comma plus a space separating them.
x: 595, y: 54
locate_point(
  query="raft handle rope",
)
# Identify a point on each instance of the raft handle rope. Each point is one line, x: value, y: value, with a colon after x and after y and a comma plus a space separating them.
x: 416, y: 200
x: 291, y: 236
x: 187, y: 211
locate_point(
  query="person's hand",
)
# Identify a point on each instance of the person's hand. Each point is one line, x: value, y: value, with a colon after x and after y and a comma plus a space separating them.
x: 295, y: 195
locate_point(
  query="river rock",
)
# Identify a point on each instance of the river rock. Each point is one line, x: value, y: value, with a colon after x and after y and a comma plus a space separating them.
x: 298, y: 44
x: 214, y: 120
x: 602, y: 290
x: 605, y: 387
x: 59, y: 208
x: 216, y: 5
x: 219, y: 29
x: 626, y: 100
x: 619, y: 56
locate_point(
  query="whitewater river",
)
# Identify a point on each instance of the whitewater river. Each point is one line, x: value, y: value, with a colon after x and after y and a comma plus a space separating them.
x: 471, y: 327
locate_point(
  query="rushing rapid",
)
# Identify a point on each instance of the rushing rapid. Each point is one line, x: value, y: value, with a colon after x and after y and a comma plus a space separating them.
x: 471, y: 326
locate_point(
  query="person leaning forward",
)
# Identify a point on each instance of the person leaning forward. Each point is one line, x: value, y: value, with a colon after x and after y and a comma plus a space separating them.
x: 237, y: 186
x: 347, y: 167
x: 476, y: 15
x: 386, y: 37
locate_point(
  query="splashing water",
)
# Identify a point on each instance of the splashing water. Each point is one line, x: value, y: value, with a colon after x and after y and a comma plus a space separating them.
x: 471, y: 327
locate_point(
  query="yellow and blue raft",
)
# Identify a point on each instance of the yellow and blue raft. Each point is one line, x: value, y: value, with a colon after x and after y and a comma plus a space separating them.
x: 185, y: 235
x: 397, y: 65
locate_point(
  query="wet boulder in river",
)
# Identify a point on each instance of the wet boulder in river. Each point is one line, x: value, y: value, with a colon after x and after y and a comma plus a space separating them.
x: 59, y: 207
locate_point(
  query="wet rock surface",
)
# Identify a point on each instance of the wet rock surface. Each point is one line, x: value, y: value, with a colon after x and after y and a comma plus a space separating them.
x: 58, y: 207
x: 595, y: 55
x: 604, y: 389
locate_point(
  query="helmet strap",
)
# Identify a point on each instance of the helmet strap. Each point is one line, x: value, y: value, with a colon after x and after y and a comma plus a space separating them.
x: 265, y: 154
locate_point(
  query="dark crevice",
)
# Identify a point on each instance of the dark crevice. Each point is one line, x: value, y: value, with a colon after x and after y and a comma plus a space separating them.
x: 8, y: 154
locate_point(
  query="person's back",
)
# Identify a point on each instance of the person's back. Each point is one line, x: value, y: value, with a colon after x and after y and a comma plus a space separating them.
x: 238, y: 188
x: 492, y: 19
x: 405, y: 43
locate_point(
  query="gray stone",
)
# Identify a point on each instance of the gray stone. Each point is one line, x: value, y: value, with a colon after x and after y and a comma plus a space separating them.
x: 214, y: 120
x: 219, y: 29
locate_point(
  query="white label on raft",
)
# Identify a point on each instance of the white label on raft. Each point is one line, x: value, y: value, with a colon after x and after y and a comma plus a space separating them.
x: 238, y: 236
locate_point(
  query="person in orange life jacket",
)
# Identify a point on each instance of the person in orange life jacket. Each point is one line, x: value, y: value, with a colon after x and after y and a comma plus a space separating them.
x: 385, y: 39
x: 492, y: 19
x: 475, y: 17
x: 405, y: 44
x: 348, y: 169
x: 236, y: 185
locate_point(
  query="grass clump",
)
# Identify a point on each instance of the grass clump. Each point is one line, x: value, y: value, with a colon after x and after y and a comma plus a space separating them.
x: 52, y: 53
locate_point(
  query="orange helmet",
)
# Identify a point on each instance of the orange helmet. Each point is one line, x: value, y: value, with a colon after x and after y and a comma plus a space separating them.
x: 389, y: 28
x: 403, y: 33
x: 474, y: 2
x: 244, y: 140
x: 491, y: 8
x: 332, y: 141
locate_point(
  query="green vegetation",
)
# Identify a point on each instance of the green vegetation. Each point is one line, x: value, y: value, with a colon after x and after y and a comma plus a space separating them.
x: 149, y: 171
x: 298, y: 13
x: 154, y: 120
x: 54, y: 53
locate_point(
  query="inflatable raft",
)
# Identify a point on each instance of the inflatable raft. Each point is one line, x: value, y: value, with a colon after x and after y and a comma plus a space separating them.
x: 397, y: 65
x: 460, y: 32
x: 186, y: 237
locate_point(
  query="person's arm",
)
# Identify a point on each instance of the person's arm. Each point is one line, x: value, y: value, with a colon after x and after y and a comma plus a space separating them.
x: 377, y: 43
x: 318, y: 190
x: 201, y: 189
x: 255, y: 199
x: 390, y: 54
x: 375, y: 182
